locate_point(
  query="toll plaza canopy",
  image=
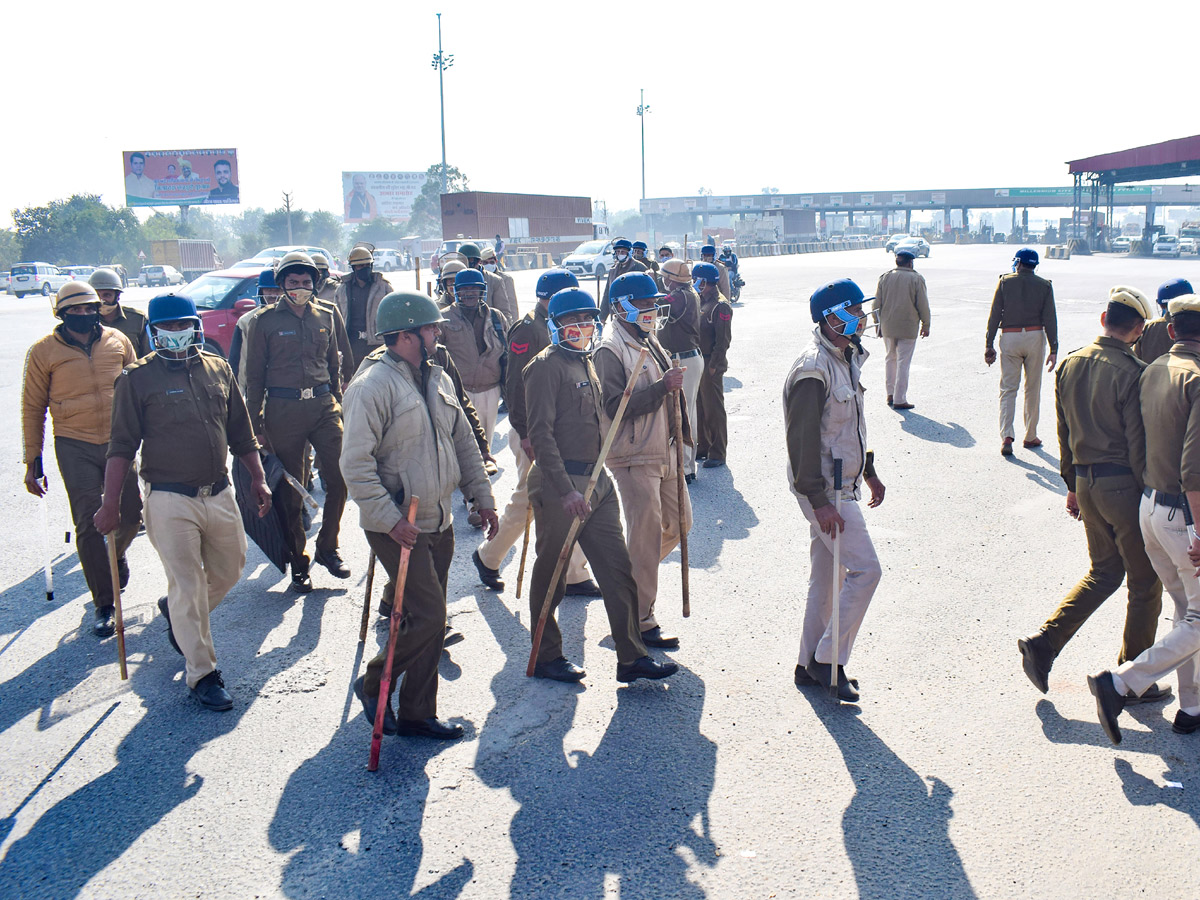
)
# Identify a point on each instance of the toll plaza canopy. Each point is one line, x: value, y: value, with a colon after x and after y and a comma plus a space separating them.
x: 1169, y: 159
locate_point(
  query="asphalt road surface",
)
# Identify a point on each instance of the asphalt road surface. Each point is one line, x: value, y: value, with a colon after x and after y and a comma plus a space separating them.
x: 953, y: 777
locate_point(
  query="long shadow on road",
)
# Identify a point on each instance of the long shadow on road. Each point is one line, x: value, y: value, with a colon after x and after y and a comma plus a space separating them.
x: 722, y: 515
x: 938, y: 432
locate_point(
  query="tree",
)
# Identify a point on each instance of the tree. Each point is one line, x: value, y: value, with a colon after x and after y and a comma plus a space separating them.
x: 626, y: 222
x: 160, y: 227
x: 426, y: 218
x: 379, y: 229
x: 325, y: 230
x: 80, y: 229
x: 10, y: 249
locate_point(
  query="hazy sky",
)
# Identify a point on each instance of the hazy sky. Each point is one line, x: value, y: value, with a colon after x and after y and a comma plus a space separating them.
x: 542, y: 96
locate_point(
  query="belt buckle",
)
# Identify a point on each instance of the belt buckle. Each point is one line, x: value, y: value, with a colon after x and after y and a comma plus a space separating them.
x: 205, y: 491
x: 306, y: 393
x: 362, y: 335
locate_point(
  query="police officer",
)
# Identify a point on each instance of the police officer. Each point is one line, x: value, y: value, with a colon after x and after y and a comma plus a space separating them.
x: 526, y: 339
x: 180, y: 405
x: 902, y: 303
x: 642, y: 457
x: 665, y: 253
x: 822, y: 427
x: 293, y: 391
x: 1170, y: 396
x: 1102, y: 448
x: 623, y: 263
x: 328, y: 283
x: 358, y: 298
x: 71, y: 372
x: 406, y: 437
x: 505, y: 301
x: 708, y: 254
x: 1023, y: 311
x: 496, y: 290
x: 565, y: 409
x: 445, y: 285
x: 131, y: 323
x: 1155, y: 341
x: 268, y: 294
x: 638, y: 251
x: 716, y: 334
x: 680, y: 336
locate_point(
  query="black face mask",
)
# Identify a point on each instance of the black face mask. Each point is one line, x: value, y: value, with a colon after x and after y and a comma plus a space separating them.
x: 363, y: 274
x: 81, y: 323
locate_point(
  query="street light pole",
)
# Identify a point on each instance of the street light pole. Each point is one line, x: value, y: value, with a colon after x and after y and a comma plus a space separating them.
x: 641, y: 111
x: 441, y: 62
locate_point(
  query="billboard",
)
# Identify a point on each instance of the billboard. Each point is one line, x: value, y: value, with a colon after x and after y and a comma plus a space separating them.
x: 374, y: 195
x: 180, y: 177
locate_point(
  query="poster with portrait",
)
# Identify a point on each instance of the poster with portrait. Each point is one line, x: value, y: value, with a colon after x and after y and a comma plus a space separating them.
x: 180, y: 177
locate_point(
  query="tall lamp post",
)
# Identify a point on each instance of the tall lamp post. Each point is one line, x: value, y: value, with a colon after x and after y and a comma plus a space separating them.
x: 641, y: 111
x: 441, y: 62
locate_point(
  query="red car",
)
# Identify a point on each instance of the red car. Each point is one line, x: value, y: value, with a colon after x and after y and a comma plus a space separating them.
x: 221, y: 298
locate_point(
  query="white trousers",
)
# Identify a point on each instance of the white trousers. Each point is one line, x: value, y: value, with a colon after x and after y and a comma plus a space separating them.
x: 1021, y: 351
x: 896, y: 365
x: 487, y: 406
x: 693, y: 370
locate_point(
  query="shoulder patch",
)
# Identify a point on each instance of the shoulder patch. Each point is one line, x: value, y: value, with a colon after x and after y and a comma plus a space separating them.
x: 519, y: 349
x: 725, y: 315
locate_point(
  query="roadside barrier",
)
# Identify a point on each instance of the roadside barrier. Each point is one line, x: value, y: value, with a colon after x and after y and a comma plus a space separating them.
x: 1059, y: 251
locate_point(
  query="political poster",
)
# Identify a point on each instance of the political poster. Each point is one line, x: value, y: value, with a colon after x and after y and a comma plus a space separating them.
x: 180, y: 177
x: 380, y: 195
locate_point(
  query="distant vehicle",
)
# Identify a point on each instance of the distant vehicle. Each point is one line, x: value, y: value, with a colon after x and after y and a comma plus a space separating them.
x: 894, y: 240
x: 593, y: 258
x: 155, y: 276
x: 1122, y: 244
x: 8, y: 282
x: 273, y: 253
x: 192, y: 258
x: 388, y: 260
x: 78, y: 273
x: 222, y: 298
x: 915, y: 245
x: 1166, y: 245
x: 451, y: 246
x: 1189, y: 245
x: 37, y: 278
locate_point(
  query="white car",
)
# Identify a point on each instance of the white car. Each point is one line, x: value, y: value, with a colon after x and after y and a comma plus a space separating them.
x: 269, y: 255
x: 163, y: 276
x: 1166, y: 245
x: 914, y: 245
x: 37, y: 278
x: 1122, y: 244
x: 592, y: 258
x: 1188, y: 245
x: 387, y: 260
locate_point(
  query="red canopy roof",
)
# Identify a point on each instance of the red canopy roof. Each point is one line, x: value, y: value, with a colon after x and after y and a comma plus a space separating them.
x: 1180, y: 150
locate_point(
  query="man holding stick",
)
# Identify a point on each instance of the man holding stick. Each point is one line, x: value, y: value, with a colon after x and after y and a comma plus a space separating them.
x: 824, y: 418
x: 643, y: 458
x: 407, y: 436
x: 564, y: 409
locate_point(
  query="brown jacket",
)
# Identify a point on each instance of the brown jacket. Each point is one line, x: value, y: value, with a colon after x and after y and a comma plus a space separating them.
x: 378, y: 289
x: 75, y: 384
x: 289, y: 351
x: 526, y: 339
x: 1023, y: 299
x: 681, y: 331
x: 1154, y: 341
x: 563, y: 403
x: 716, y: 334
x: 1170, y: 389
x: 630, y: 265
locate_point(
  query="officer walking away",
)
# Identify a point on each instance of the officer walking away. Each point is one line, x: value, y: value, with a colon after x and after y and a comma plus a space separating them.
x: 180, y: 405
x: 902, y: 303
x: 505, y: 301
x: 71, y: 372
x: 1155, y: 341
x: 406, y: 437
x: 821, y: 427
x: 708, y: 254
x: 526, y: 340
x: 623, y: 264
x: 131, y: 323
x: 1102, y: 448
x: 358, y: 298
x: 1170, y: 389
x: 565, y: 409
x: 293, y: 391
x: 680, y: 336
x: 642, y: 457
x: 498, y: 249
x: 716, y: 334
x: 1023, y: 311
x: 328, y: 283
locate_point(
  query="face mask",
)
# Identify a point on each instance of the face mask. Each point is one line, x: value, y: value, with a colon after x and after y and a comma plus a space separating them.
x: 489, y: 267
x: 81, y: 323
x: 622, y: 256
x: 363, y: 274
x: 579, y: 336
x: 647, y: 320
x: 108, y: 309
x: 663, y: 259
x: 299, y: 296
x: 175, y: 341
x: 698, y: 284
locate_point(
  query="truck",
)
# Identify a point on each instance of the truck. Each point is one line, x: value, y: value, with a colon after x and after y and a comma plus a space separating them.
x: 192, y: 258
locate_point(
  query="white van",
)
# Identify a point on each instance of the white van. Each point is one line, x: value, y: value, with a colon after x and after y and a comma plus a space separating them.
x: 593, y: 258
x: 36, y: 278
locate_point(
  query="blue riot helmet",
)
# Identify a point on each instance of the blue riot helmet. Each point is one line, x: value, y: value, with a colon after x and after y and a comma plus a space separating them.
x: 629, y: 289
x: 552, y: 281
x: 573, y: 300
x: 175, y: 308
x: 836, y: 298
x: 468, y: 279
x: 266, y: 282
x: 1026, y: 256
x: 705, y: 272
x: 1169, y: 290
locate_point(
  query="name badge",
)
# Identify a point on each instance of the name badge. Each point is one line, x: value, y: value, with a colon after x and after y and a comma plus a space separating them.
x: 285, y: 333
x: 582, y: 384
x: 176, y: 391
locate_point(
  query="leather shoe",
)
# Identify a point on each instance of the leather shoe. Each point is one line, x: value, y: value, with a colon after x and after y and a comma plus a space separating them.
x: 711, y: 463
x: 453, y: 636
x: 123, y: 572
x: 385, y: 609
x: 819, y: 672
x: 105, y: 624
x: 645, y: 667
x: 301, y: 582
x: 1032, y: 445
x: 587, y: 588
x: 560, y: 669
x: 803, y: 679
x: 1006, y: 448
x: 490, y: 577
x: 1108, y: 703
x: 1184, y: 723
x: 889, y: 399
x: 210, y: 691
x: 332, y: 560
x: 1036, y: 660
x: 165, y: 610
x: 904, y: 406
x: 653, y: 637
x: 1153, y: 694
x: 689, y: 477
x: 433, y: 727
x: 370, y: 707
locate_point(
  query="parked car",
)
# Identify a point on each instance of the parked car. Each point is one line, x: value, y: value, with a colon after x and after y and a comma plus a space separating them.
x: 37, y: 277
x: 893, y: 241
x: 1188, y: 245
x: 8, y: 282
x: 593, y: 258
x: 221, y: 298
x: 1122, y: 244
x: 452, y: 247
x: 1166, y: 245
x: 388, y: 260
x: 153, y: 276
x: 915, y: 245
x: 273, y: 253
x: 78, y: 273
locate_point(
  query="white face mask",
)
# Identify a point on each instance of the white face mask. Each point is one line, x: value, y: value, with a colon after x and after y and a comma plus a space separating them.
x: 489, y: 267
x: 299, y: 296
x: 176, y: 341
x: 622, y: 256
x: 664, y: 258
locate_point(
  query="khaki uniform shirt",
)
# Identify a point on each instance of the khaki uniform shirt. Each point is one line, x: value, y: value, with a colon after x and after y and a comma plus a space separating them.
x: 621, y: 268
x: 187, y: 416
x: 1098, y: 406
x: 1154, y: 341
x: 526, y: 339
x: 716, y: 333
x: 903, y: 303
x: 1171, y: 413
x: 289, y: 351
x: 562, y: 402
x: 723, y: 287
x: 1022, y: 300
x: 132, y: 324
x: 681, y: 331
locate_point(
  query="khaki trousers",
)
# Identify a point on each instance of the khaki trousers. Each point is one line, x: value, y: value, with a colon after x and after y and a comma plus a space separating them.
x: 693, y: 371
x: 423, y: 626
x: 291, y: 426
x: 859, y: 574
x: 650, y: 501
x: 1021, y: 351
x: 202, y: 546
x: 712, y: 430
x: 896, y: 365
x: 1110, y: 509
x: 512, y: 522
x: 1167, y: 545
x: 487, y: 406
x: 82, y: 468
x: 603, y: 542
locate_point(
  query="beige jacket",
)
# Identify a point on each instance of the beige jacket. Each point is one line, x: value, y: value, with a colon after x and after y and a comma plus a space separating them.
x: 644, y: 436
x: 479, y: 371
x: 903, y: 304
x: 379, y: 289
